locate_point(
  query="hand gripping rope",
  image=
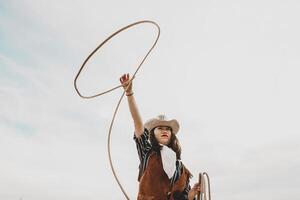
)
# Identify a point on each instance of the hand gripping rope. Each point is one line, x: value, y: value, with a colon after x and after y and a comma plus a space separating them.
x: 119, y: 102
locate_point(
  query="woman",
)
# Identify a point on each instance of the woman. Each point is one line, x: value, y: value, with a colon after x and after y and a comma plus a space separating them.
x: 161, y: 173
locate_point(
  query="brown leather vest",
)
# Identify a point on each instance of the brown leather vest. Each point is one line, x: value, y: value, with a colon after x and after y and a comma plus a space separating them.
x: 155, y: 184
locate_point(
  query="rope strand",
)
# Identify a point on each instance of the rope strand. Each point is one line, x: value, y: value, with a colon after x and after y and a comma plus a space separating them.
x: 119, y: 102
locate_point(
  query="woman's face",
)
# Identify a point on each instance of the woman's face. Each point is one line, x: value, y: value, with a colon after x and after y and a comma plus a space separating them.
x: 162, y: 134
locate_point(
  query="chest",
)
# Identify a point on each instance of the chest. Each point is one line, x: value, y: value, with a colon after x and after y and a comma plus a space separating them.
x: 155, y: 183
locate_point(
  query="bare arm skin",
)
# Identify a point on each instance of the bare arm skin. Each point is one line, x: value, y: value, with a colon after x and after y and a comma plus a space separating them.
x: 138, y: 122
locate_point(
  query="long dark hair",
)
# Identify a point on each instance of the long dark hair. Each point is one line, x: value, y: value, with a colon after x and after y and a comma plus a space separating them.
x: 173, y: 144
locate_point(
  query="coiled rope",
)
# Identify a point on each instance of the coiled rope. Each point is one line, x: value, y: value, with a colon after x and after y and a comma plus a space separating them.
x: 205, y: 186
x: 120, y: 100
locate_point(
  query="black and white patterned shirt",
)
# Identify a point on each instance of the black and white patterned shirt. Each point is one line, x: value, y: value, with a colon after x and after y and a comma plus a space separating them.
x: 144, y: 149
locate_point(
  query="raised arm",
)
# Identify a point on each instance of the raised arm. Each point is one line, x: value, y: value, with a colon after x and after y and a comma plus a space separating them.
x: 138, y: 122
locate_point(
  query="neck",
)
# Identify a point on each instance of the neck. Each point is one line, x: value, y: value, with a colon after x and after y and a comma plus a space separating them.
x: 163, y: 144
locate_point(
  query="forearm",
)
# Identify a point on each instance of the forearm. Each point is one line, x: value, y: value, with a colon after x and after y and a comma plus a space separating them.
x: 138, y: 122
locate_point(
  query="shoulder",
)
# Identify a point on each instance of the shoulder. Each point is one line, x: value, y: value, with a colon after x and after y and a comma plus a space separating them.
x: 141, y: 135
x: 139, y: 131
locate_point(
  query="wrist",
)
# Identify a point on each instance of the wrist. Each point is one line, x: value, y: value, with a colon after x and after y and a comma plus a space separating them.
x: 129, y: 93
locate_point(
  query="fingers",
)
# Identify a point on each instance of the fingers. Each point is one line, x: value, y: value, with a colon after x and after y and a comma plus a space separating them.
x: 197, y: 187
x: 124, y: 78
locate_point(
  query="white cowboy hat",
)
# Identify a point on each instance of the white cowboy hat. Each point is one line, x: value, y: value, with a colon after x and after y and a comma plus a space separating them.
x: 161, y: 120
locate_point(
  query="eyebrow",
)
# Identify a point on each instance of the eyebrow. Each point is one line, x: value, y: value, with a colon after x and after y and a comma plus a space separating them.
x: 165, y: 127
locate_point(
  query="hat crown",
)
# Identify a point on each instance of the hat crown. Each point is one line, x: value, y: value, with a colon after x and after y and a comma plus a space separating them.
x: 161, y: 120
x: 162, y: 117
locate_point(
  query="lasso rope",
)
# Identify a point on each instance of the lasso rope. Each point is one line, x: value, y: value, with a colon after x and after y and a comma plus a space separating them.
x: 203, y: 178
x: 117, y: 107
x: 119, y: 102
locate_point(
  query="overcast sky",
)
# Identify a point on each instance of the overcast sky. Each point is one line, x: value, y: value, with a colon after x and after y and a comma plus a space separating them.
x: 228, y: 71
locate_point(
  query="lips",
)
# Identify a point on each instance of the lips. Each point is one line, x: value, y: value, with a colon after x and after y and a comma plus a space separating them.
x: 164, y: 135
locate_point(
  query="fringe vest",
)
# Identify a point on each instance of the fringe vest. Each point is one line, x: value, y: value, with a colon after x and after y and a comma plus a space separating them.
x: 155, y: 184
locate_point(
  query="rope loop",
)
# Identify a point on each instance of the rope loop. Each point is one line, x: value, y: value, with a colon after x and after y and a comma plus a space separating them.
x: 105, y: 92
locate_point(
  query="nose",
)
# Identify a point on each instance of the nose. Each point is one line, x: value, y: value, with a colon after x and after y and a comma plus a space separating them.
x: 165, y: 132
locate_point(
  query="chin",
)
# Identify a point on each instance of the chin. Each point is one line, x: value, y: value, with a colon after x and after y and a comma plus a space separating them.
x: 164, y: 142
